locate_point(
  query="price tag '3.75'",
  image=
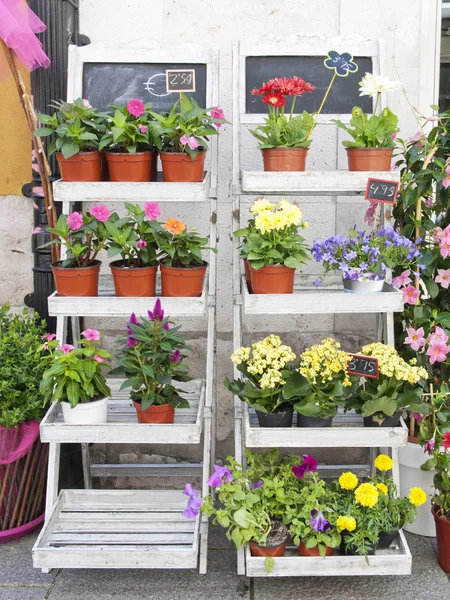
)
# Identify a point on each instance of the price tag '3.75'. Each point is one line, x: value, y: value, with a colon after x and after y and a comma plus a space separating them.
x: 363, y: 366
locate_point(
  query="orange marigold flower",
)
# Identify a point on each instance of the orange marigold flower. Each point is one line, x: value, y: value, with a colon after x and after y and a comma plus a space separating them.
x: 174, y: 226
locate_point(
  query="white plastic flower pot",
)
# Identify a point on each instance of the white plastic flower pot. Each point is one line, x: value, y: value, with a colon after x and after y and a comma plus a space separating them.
x: 363, y: 286
x: 411, y: 457
x: 86, y: 413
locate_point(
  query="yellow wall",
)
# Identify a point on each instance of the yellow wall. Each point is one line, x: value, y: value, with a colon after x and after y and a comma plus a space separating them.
x: 15, y: 139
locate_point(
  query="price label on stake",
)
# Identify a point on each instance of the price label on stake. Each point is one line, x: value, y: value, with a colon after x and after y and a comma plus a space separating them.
x: 180, y: 80
x: 363, y: 366
x: 381, y: 190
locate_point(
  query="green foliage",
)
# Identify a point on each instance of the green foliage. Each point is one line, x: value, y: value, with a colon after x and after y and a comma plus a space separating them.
x: 280, y: 131
x: 151, y: 359
x: 286, y: 247
x: 78, y: 127
x: 375, y: 131
x: 127, y: 133
x: 183, y: 249
x: 314, y: 399
x: 186, y: 117
x: 76, y: 374
x: 23, y: 359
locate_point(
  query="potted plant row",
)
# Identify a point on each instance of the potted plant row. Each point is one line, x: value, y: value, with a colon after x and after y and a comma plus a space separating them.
x: 131, y: 137
x: 276, y: 498
x: 284, y: 138
x: 316, y: 385
x: 143, y: 244
x: 151, y: 359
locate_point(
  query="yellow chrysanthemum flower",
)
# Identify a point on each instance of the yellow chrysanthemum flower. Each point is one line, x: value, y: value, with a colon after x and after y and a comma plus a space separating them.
x: 383, y: 488
x: 348, y: 523
x: 366, y: 495
x: 417, y: 496
x: 261, y: 205
x: 383, y: 462
x: 348, y: 481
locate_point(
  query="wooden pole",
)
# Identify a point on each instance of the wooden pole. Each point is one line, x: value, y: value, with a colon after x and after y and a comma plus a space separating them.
x: 44, y: 169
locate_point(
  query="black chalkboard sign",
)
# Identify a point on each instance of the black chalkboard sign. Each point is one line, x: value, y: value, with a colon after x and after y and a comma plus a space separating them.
x: 117, y: 83
x: 381, y: 190
x: 363, y: 366
x: 343, y: 96
x: 180, y: 80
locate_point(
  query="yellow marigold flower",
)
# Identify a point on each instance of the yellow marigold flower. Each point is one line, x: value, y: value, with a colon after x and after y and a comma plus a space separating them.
x: 366, y: 495
x: 417, y: 496
x: 383, y: 462
x: 383, y: 488
x: 348, y: 523
x: 261, y: 205
x: 348, y: 481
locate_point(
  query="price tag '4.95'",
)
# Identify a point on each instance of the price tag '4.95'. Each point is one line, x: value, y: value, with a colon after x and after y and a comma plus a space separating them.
x: 381, y: 190
x: 363, y: 366
x: 180, y: 80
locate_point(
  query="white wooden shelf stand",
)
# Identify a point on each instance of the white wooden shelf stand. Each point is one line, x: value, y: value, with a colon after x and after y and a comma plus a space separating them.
x: 347, y: 430
x: 111, y: 528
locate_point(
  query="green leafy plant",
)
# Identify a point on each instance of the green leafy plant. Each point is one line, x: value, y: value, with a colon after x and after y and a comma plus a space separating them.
x: 78, y: 127
x: 133, y: 236
x: 186, y: 127
x: 131, y: 128
x: 271, y: 236
x: 317, y: 385
x: 180, y: 247
x: 76, y: 374
x: 151, y: 360
x: 375, y: 131
x: 265, y: 369
x: 23, y: 359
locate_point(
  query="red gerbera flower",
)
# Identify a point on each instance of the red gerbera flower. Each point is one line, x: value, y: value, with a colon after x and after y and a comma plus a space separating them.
x: 275, y: 99
x: 291, y: 86
x: 446, y: 440
x: 266, y: 87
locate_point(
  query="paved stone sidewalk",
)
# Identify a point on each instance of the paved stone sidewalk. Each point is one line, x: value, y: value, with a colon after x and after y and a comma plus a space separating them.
x: 19, y: 581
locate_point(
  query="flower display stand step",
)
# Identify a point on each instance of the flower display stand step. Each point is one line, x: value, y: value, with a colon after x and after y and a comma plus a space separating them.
x: 395, y: 560
x: 132, y: 529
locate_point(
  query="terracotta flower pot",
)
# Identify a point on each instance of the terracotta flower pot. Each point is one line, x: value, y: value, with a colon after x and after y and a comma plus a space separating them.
x: 128, y: 166
x: 165, y: 413
x: 272, y: 279
x: 256, y: 550
x: 248, y: 277
x: 176, y: 282
x: 84, y: 166
x: 369, y: 159
x: 76, y: 281
x: 304, y: 551
x: 443, y: 541
x: 284, y: 159
x: 179, y: 166
x: 133, y: 282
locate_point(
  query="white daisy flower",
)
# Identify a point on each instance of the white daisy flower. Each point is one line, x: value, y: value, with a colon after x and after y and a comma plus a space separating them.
x: 371, y: 85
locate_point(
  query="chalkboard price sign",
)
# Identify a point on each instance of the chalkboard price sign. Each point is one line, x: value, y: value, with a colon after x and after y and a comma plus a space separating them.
x: 180, y: 80
x: 381, y: 190
x: 342, y: 64
x: 363, y: 366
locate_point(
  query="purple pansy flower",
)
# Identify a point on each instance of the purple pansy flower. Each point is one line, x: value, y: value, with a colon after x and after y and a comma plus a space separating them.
x: 216, y: 478
x: 194, y: 502
x: 318, y: 521
x: 309, y: 465
x: 256, y: 484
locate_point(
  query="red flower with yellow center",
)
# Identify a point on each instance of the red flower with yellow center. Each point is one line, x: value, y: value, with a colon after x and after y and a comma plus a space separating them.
x: 174, y: 226
x: 275, y: 99
x: 291, y: 86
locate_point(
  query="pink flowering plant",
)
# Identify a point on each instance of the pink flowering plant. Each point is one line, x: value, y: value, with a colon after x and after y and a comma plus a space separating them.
x: 77, y: 374
x: 187, y: 126
x: 151, y: 358
x: 77, y: 127
x: 131, y: 128
x: 83, y: 235
x: 133, y: 236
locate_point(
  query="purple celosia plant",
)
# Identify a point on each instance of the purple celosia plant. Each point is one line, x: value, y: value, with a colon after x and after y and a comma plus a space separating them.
x: 362, y: 255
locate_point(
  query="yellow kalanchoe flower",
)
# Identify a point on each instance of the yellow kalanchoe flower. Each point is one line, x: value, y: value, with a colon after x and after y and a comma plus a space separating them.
x: 240, y: 355
x: 383, y: 462
x: 391, y: 364
x: 261, y: 205
x: 366, y: 495
x: 348, y: 481
x: 324, y: 362
x: 417, y: 496
x: 383, y: 488
x: 348, y: 523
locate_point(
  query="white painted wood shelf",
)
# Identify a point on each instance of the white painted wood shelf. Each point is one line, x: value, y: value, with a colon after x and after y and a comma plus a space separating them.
x: 112, y: 191
x: 123, y: 427
x: 107, y: 304
x: 347, y: 431
x: 327, y: 299
x: 128, y: 529
x: 313, y: 183
x: 395, y: 560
